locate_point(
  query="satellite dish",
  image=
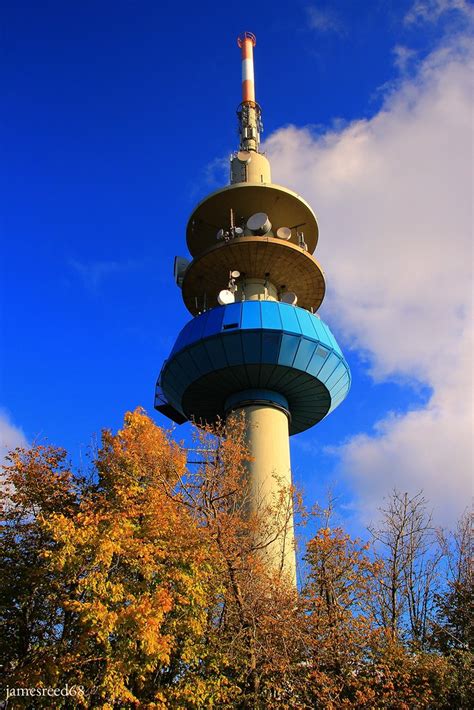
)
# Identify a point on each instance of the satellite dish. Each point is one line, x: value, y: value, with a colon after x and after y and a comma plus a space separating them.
x: 289, y: 297
x: 238, y: 231
x: 225, y: 297
x: 259, y: 223
x: 220, y: 234
x: 180, y: 266
x: 284, y: 233
x: 234, y: 274
x: 244, y: 157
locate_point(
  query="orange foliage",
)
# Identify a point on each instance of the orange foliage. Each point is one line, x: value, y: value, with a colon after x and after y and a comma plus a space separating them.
x: 148, y: 586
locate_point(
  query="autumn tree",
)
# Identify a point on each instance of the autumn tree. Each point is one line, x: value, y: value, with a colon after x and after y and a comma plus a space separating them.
x: 338, y: 622
x: 150, y: 579
x: 116, y: 575
x: 351, y: 659
x: 256, y: 615
x: 147, y: 583
x: 36, y: 484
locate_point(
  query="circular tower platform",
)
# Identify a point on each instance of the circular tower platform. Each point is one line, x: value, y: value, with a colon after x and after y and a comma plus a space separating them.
x: 284, y: 207
x: 258, y: 346
x: 286, y: 265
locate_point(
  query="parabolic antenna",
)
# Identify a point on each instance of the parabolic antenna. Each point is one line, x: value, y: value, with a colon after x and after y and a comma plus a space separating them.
x: 225, y: 297
x: 284, y: 233
x: 244, y: 157
x: 289, y: 297
x: 238, y: 231
x: 235, y: 274
x: 259, y: 223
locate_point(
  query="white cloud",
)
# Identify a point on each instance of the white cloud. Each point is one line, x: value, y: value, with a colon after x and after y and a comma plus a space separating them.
x: 11, y: 436
x: 403, y: 57
x: 432, y: 10
x: 395, y: 198
x: 324, y: 20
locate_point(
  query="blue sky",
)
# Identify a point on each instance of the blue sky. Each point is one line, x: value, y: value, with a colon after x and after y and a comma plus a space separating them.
x: 118, y: 118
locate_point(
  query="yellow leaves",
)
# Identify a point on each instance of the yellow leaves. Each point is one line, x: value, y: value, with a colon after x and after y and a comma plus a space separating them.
x: 140, y: 453
x: 153, y: 594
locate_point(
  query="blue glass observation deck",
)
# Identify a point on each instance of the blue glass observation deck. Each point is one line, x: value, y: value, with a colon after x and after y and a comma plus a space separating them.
x: 258, y: 346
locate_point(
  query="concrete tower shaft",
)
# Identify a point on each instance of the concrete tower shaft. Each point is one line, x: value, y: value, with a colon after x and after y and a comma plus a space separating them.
x: 255, y: 343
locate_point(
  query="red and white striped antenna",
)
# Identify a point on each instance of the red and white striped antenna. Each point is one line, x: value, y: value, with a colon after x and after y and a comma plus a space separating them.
x: 249, y: 112
x: 247, y: 42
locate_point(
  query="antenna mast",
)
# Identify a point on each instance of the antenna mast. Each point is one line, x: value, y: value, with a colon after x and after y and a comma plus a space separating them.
x: 249, y: 112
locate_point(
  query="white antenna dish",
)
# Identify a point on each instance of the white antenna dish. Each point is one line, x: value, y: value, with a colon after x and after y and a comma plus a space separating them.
x: 259, y: 223
x: 244, y: 157
x: 225, y: 297
x: 180, y: 266
x: 238, y: 231
x: 235, y: 274
x: 290, y: 298
x: 220, y: 234
x: 284, y: 233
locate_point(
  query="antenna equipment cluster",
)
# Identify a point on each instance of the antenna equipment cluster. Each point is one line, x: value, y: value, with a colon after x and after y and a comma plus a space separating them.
x: 230, y: 233
x: 227, y: 295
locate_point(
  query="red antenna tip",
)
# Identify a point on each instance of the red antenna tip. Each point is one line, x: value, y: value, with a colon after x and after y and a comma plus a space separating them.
x: 246, y: 35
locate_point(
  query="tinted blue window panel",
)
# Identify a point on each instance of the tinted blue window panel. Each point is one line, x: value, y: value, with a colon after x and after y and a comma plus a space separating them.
x: 304, y: 354
x: 194, y: 329
x: 319, y: 330
x: 342, y: 386
x: 214, y: 321
x: 342, y: 391
x: 174, y: 371
x: 304, y: 319
x: 270, y: 347
x: 271, y: 316
x: 251, y: 343
x: 288, y: 348
x: 182, y: 338
x: 318, y: 360
x: 201, y: 358
x: 171, y: 395
x: 288, y: 318
x: 180, y: 341
x: 232, y: 315
x: 336, y: 375
x: 332, y: 339
x: 337, y: 401
x: 251, y: 317
x: 188, y: 366
x: 233, y: 348
x: 329, y: 366
x: 184, y: 378
x: 216, y: 352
